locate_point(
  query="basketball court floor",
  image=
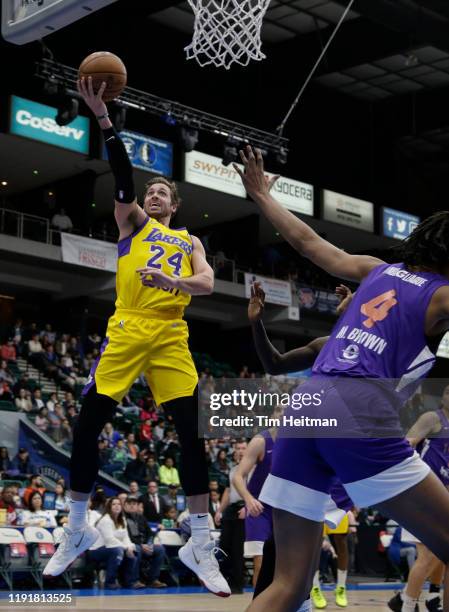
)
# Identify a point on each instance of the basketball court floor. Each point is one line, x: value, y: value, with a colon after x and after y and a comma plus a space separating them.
x: 363, y: 598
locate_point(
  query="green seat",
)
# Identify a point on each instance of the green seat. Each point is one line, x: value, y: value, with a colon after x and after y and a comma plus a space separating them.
x: 8, y: 406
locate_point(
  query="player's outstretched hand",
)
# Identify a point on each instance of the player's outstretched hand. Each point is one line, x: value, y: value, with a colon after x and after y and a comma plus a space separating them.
x: 345, y: 295
x: 256, y: 303
x: 253, y: 178
x: 93, y: 100
x: 158, y: 278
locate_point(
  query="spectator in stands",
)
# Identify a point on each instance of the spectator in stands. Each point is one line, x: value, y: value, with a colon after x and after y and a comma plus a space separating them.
x: 23, y: 401
x: 168, y: 474
x: 35, y: 515
x: 136, y: 470
x: 152, y: 469
x: 23, y: 383
x: 134, y: 489
x: 169, y: 498
x: 122, y: 497
x: 118, y: 459
x: 158, y: 430
x: 148, y: 410
x: 127, y: 406
x: 42, y: 421
x: 93, y: 341
x: 72, y: 415
x: 48, y: 331
x: 145, y: 433
x: 150, y: 556
x: 221, y: 464
x: 52, y: 401
x: 37, y: 401
x: 65, y: 435
x: 112, y: 526
x: 36, y: 484
x: 62, y: 499
x: 17, y: 332
x: 170, y: 445
x: 113, y: 547
x: 110, y: 435
x: 6, y: 393
x: 7, y: 503
x: 35, y: 350
x: 61, y: 221
x: 244, y: 372
x: 214, y: 504
x: 103, y: 453
x: 5, y: 462
x: 30, y: 331
x: 132, y: 450
x: 170, y: 518
x: 8, y: 351
x: 153, y: 505
x: 54, y: 422
x: 68, y: 400
x: 22, y: 466
x: 5, y: 373
x: 213, y: 486
x: 98, y: 501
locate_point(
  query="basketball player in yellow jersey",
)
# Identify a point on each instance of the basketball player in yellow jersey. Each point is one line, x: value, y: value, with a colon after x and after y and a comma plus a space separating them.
x: 158, y: 270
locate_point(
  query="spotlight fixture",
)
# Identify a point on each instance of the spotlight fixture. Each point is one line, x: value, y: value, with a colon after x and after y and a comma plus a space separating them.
x: 188, y: 136
x: 68, y: 110
x: 282, y: 156
x: 230, y: 152
x: 117, y: 115
x: 4, y: 183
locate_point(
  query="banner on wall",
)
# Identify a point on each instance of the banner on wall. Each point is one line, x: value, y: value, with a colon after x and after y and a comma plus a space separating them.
x: 208, y: 171
x: 347, y: 210
x: 398, y: 224
x: 276, y: 291
x: 89, y: 253
x: 37, y: 121
x: 147, y: 153
x: 294, y: 195
x: 317, y: 300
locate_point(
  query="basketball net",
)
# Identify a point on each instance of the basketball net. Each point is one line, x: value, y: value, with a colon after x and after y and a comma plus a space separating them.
x: 227, y: 31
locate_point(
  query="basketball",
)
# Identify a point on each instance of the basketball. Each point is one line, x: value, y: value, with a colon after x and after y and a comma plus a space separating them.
x: 105, y: 66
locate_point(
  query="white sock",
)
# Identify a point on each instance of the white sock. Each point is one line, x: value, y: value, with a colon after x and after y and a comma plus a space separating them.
x: 199, y: 524
x: 316, y: 579
x: 77, y: 514
x: 341, y: 577
x: 408, y: 603
x: 306, y: 606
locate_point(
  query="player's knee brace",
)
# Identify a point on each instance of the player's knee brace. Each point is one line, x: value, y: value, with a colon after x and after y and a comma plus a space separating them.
x: 96, y: 410
x: 193, y: 469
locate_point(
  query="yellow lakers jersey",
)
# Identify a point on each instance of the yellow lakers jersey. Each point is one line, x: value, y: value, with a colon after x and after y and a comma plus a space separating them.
x: 157, y: 246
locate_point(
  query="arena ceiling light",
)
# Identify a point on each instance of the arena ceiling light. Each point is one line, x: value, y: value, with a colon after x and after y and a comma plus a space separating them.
x: 68, y: 110
x: 188, y: 137
x: 171, y: 112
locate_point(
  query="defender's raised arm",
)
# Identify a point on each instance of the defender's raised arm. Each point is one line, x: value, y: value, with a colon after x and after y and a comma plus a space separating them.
x: 301, y: 237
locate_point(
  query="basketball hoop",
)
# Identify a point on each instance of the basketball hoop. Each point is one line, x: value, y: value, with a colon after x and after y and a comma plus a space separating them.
x: 227, y: 31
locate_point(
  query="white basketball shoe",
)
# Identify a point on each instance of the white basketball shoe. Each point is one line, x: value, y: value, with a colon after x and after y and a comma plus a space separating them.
x: 73, y: 544
x: 201, y: 560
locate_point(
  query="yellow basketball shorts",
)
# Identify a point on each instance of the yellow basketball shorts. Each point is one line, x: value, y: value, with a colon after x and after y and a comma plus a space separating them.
x: 341, y: 528
x: 154, y: 343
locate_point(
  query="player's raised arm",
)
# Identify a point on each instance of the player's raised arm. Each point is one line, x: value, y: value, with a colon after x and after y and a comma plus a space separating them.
x: 301, y: 237
x: 128, y: 214
x: 427, y: 424
x: 253, y: 454
x: 272, y: 360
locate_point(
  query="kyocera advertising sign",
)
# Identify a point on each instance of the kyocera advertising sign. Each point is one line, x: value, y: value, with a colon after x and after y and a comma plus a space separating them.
x: 37, y: 121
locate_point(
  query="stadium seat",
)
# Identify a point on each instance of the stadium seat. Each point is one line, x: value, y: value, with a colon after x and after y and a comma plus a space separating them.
x: 14, y: 555
x: 41, y: 547
x: 7, y: 406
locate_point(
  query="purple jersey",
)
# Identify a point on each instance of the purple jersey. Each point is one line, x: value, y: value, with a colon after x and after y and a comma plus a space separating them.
x: 435, y: 450
x: 382, y: 333
x: 262, y: 469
